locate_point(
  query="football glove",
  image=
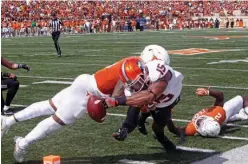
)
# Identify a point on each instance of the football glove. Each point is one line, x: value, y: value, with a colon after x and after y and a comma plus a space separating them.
x: 24, y: 66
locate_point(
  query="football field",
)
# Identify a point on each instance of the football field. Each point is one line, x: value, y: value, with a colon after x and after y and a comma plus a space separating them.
x: 217, y: 58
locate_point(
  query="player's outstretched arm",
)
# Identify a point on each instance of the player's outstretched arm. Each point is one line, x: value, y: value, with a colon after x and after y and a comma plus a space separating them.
x: 13, y: 66
x: 218, y: 95
x: 140, y: 98
x: 119, y: 89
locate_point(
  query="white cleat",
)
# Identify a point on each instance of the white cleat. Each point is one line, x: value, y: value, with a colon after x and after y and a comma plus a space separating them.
x: 4, y: 127
x: 19, y: 153
x: 242, y: 115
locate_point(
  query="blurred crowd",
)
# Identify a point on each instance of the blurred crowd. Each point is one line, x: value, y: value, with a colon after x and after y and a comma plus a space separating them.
x: 22, y: 18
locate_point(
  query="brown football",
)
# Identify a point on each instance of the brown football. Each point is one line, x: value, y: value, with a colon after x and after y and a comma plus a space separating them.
x: 96, y: 109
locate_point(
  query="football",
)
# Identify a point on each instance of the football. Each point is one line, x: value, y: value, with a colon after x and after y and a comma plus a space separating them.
x: 96, y: 109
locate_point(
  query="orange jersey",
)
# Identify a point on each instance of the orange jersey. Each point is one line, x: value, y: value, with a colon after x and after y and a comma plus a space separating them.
x: 107, y: 78
x: 216, y: 112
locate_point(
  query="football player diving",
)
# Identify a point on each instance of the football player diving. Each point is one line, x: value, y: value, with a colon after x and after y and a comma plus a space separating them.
x: 154, y: 87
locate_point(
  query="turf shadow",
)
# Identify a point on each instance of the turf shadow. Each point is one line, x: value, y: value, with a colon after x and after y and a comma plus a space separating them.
x: 181, y: 156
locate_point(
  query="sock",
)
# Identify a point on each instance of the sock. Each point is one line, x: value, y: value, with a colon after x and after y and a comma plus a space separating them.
x: 35, y: 110
x: 131, y: 120
x: 6, y: 108
x: 246, y: 110
x: 42, y: 130
x: 10, y: 121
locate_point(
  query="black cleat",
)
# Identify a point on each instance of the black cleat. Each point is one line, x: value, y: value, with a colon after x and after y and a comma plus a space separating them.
x: 167, y: 144
x: 121, y: 134
x: 142, y: 129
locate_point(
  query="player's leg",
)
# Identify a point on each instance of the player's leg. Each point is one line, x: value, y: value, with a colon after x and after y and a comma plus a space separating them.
x: 42, y: 130
x: 129, y: 124
x: 35, y: 110
x: 141, y: 122
x: 12, y: 86
x: 54, y: 41
x: 57, y: 43
x: 70, y: 104
x: 161, y: 117
x: 235, y: 108
x: 2, y: 103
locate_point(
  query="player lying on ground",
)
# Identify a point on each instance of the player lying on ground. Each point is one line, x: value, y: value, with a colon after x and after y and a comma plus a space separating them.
x: 136, y: 117
x: 64, y: 108
x: 208, y: 121
x: 155, y: 86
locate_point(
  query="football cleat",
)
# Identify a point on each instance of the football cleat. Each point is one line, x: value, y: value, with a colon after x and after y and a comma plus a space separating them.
x: 142, y: 129
x: 121, y: 134
x: 242, y: 115
x: 4, y: 127
x: 19, y: 153
x: 167, y: 144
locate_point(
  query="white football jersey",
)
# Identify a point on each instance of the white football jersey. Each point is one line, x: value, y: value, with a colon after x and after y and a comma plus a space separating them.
x: 157, y: 69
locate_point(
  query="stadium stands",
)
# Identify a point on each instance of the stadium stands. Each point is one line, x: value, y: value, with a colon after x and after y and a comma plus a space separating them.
x: 27, y: 18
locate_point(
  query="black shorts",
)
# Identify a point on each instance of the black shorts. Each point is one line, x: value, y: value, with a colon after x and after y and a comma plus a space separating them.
x: 162, y: 115
x: 8, y: 83
x: 55, y: 35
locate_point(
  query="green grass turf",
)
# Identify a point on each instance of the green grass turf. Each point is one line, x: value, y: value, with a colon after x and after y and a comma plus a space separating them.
x: 90, y: 142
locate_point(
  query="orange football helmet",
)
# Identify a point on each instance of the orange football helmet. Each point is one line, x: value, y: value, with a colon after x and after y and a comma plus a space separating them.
x: 134, y: 74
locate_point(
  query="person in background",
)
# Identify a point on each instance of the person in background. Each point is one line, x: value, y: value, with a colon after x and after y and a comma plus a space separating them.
x: 9, y: 82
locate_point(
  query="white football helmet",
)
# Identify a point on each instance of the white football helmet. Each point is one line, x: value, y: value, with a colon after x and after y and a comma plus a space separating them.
x: 153, y: 52
x: 207, y: 126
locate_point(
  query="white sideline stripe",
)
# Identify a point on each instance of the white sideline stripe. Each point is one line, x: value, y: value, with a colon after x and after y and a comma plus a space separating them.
x: 23, y: 86
x: 188, y: 85
x: 17, y: 105
x: 44, y: 77
x: 234, y: 138
x: 236, y: 125
x: 53, y: 82
x: 213, y: 69
x: 128, y: 161
x: 237, y: 155
x: 193, y: 149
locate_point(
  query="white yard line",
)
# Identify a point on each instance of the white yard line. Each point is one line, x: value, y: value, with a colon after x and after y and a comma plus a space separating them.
x: 234, y: 138
x: 45, y: 77
x: 129, y: 161
x: 53, y: 82
x: 213, y: 69
x: 237, y: 155
x: 224, y: 87
x: 194, y: 149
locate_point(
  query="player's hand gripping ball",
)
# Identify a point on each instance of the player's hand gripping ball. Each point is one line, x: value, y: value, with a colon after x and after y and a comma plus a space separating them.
x: 96, y: 109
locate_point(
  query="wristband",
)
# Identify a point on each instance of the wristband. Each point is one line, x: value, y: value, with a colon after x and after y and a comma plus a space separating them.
x: 19, y: 65
x: 5, y: 75
x: 121, y: 100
